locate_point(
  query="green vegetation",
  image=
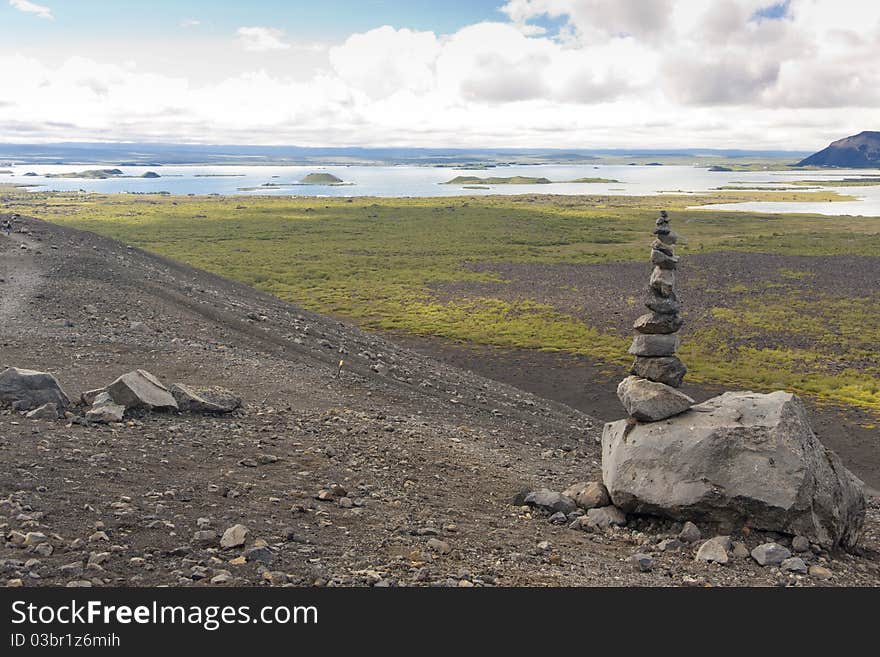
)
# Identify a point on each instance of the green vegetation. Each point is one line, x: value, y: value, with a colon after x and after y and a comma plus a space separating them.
x: 384, y: 263
x: 595, y: 180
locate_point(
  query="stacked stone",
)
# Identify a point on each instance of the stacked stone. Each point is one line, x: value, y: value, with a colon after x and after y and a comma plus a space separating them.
x: 650, y: 393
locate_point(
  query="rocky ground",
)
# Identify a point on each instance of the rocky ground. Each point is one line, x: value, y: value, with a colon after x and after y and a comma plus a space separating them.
x: 395, y: 470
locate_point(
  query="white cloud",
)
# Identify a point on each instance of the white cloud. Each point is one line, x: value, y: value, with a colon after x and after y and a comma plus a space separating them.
x: 680, y: 72
x: 31, y: 8
x: 262, y: 39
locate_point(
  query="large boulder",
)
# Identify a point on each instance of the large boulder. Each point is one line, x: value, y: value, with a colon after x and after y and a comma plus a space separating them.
x: 140, y: 389
x: 741, y: 458
x: 29, y: 389
x: 204, y: 400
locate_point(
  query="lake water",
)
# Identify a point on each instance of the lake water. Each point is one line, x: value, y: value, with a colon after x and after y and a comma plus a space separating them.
x: 402, y: 181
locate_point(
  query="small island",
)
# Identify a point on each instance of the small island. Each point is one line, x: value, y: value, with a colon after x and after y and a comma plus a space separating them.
x: 321, y: 179
x: 718, y: 167
x: 99, y: 174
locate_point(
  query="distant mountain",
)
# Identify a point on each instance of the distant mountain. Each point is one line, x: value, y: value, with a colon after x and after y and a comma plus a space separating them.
x: 859, y: 151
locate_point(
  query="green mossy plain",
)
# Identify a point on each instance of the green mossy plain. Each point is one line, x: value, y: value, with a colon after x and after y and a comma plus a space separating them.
x: 375, y: 259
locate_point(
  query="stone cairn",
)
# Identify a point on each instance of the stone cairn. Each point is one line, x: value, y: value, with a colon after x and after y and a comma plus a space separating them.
x: 650, y: 393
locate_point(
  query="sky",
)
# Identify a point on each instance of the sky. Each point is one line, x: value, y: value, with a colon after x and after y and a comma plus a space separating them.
x: 745, y: 74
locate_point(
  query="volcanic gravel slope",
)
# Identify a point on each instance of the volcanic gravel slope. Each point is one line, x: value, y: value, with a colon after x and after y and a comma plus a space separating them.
x: 429, y: 456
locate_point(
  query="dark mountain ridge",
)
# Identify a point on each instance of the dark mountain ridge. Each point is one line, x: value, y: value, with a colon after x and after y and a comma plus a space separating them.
x: 854, y: 152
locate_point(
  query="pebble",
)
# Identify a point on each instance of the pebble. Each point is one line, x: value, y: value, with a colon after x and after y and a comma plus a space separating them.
x: 235, y: 536
x: 794, y: 565
x: 800, y: 544
x: 820, y: 572
x: 438, y: 546
x: 715, y: 550
x: 690, y: 533
x: 643, y: 562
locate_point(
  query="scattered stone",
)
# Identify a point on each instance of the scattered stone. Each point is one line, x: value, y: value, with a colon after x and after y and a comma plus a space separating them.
x: 794, y: 565
x: 260, y: 553
x: 648, y: 401
x: 605, y: 517
x: 235, y: 536
x: 30, y: 389
x: 558, y: 518
x: 140, y: 389
x: 741, y: 458
x: 820, y: 572
x: 670, y: 544
x: 104, y: 409
x: 439, y: 546
x: 800, y: 544
x: 47, y: 411
x: 593, y: 496
x: 715, y: 550
x: 204, y: 400
x: 643, y: 562
x: 204, y: 537
x: 770, y: 554
x: 740, y: 551
x: 690, y: 533
x: 34, y: 538
x: 550, y: 501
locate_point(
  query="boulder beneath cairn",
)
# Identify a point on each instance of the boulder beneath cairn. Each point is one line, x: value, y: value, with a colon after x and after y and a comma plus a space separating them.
x: 204, y: 400
x: 648, y: 401
x: 28, y: 389
x: 140, y: 389
x: 743, y: 459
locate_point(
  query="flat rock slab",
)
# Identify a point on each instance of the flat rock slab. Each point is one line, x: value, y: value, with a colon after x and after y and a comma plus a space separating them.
x: 31, y: 389
x: 140, y: 389
x: 648, y: 401
x: 204, y: 400
x: 741, y: 458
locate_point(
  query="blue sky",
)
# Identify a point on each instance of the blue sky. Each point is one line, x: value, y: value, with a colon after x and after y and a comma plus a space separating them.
x: 314, y: 20
x: 791, y: 74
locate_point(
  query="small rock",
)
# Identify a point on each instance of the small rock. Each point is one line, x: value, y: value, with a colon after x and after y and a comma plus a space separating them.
x: 820, y: 572
x: 740, y: 551
x: 690, y: 533
x: 439, y: 546
x: 794, y: 565
x: 670, y: 544
x: 558, y: 518
x: 259, y: 553
x: 47, y: 411
x: 235, y: 536
x: 800, y: 544
x: 715, y: 550
x: 605, y: 517
x: 550, y: 501
x: 770, y: 554
x: 34, y: 538
x: 643, y: 562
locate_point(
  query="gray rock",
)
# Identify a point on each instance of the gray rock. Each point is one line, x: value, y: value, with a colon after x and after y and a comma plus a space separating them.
x: 235, y: 536
x: 662, y: 259
x: 665, y: 369
x: 140, y: 389
x: 715, y: 550
x: 665, y: 248
x: 660, y: 304
x: 669, y: 544
x: 45, y: 412
x: 644, y: 563
x: 648, y: 401
x: 820, y: 572
x: 770, y: 554
x: 690, y: 533
x: 800, y: 544
x: 104, y: 409
x: 794, y: 565
x: 260, y: 553
x: 654, y: 345
x: 656, y: 323
x: 204, y: 400
x: 604, y: 517
x: 588, y: 494
x: 739, y: 550
x: 29, y: 389
x: 740, y: 458
x: 89, y: 396
x: 550, y: 501
x: 662, y: 281
x: 559, y: 518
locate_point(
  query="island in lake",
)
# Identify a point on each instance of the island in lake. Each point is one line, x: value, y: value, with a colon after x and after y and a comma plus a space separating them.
x: 519, y: 180
x: 99, y: 174
x: 321, y: 179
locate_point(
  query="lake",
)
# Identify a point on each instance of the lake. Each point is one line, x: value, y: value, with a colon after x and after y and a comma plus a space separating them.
x: 401, y: 181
